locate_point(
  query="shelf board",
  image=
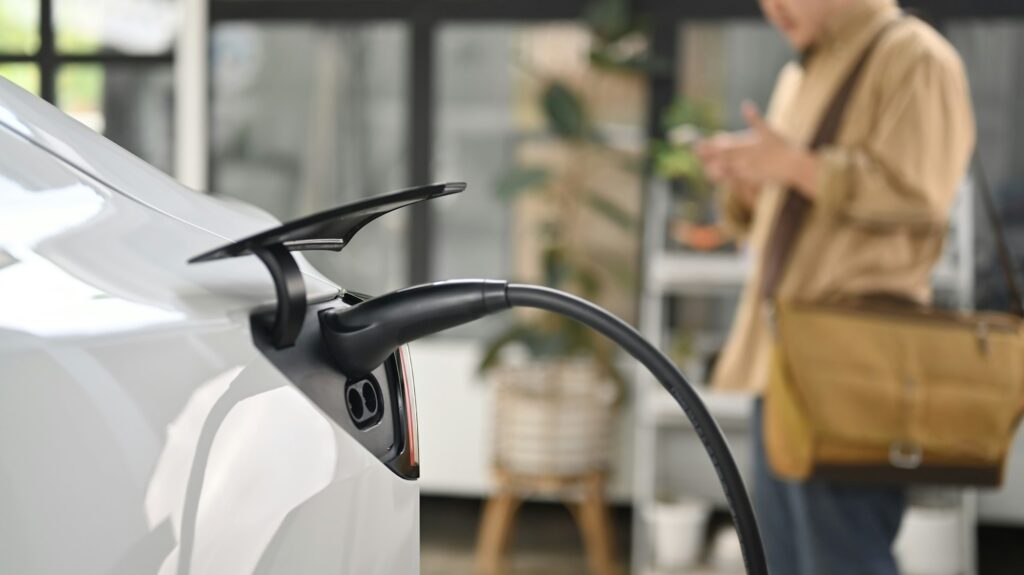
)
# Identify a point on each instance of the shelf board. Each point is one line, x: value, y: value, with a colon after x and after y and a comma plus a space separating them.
x: 731, y: 410
x: 675, y: 272
x: 669, y: 271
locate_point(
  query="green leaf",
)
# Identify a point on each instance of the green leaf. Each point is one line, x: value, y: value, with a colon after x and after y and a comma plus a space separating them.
x: 493, y: 348
x: 612, y: 212
x: 564, y: 112
x: 550, y: 231
x: 609, y: 20
x: 579, y: 339
x: 675, y: 162
x: 588, y: 281
x: 561, y: 338
x: 603, y: 57
x: 702, y: 114
x: 556, y: 267
x: 521, y: 179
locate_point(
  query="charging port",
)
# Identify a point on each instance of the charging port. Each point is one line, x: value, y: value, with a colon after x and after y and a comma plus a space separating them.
x: 365, y: 402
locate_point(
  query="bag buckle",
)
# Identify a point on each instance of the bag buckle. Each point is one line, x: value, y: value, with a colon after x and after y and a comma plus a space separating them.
x: 905, y: 455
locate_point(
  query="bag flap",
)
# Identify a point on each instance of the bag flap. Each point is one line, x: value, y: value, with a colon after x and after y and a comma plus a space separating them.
x: 949, y: 385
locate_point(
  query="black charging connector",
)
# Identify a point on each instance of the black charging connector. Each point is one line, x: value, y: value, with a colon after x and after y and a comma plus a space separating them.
x: 360, y: 338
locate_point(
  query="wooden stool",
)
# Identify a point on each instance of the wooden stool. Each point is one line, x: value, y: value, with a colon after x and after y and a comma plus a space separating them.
x: 590, y: 512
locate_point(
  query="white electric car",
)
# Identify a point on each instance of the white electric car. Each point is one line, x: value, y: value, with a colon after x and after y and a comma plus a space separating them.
x: 161, y: 416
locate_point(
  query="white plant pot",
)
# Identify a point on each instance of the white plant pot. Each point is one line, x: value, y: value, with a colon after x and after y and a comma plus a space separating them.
x: 930, y: 542
x: 554, y: 419
x: 677, y: 533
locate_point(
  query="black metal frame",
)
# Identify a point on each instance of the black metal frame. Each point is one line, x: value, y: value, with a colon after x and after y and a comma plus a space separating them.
x: 49, y: 60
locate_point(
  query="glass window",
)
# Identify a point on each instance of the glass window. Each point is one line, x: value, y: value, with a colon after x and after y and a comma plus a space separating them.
x: 129, y: 104
x: 122, y: 26
x: 309, y: 116
x: 481, y: 119
x: 19, y: 26
x: 491, y: 128
x: 724, y: 63
x: 24, y: 75
x: 993, y: 54
x: 721, y: 64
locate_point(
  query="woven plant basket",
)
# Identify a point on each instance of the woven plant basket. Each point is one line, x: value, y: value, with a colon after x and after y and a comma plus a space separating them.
x: 554, y: 419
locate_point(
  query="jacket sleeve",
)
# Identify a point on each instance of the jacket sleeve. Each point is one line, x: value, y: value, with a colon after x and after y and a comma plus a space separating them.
x: 907, y: 169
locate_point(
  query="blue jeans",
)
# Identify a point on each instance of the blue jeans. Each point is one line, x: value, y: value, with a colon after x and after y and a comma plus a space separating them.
x: 823, y: 528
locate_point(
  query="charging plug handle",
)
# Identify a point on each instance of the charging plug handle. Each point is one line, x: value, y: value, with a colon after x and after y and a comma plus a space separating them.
x: 361, y: 337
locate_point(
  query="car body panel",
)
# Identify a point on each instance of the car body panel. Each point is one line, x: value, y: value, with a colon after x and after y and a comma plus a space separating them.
x: 141, y: 431
x: 104, y: 160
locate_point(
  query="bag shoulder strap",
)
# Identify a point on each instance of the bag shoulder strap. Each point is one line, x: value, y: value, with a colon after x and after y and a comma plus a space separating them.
x: 1002, y: 245
x: 795, y: 205
x: 828, y: 129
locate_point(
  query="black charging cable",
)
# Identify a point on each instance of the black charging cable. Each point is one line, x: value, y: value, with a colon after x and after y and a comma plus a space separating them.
x: 360, y: 338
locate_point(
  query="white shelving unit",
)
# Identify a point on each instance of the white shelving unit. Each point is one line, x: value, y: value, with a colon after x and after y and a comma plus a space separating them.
x: 668, y: 457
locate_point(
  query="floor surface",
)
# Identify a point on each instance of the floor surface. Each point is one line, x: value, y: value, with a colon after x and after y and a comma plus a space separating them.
x: 546, y: 542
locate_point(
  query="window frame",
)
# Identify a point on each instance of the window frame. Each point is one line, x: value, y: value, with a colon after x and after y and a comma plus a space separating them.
x: 48, y: 59
x: 424, y: 18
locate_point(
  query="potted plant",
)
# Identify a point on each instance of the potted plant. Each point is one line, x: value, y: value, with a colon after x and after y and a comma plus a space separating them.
x: 674, y: 159
x: 556, y: 409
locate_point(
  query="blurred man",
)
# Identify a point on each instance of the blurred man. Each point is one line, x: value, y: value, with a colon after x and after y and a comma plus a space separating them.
x: 879, y: 205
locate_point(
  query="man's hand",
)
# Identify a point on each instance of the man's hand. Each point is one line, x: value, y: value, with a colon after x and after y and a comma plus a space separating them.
x: 758, y: 156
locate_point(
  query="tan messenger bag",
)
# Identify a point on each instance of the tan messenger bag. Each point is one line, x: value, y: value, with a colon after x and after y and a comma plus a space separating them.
x: 888, y: 393
x: 870, y: 394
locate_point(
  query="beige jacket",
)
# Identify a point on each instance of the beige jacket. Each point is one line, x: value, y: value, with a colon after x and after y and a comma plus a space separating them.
x: 885, y: 189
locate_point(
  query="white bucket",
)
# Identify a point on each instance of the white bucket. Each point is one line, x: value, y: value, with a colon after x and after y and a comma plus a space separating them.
x: 930, y: 542
x: 677, y: 532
